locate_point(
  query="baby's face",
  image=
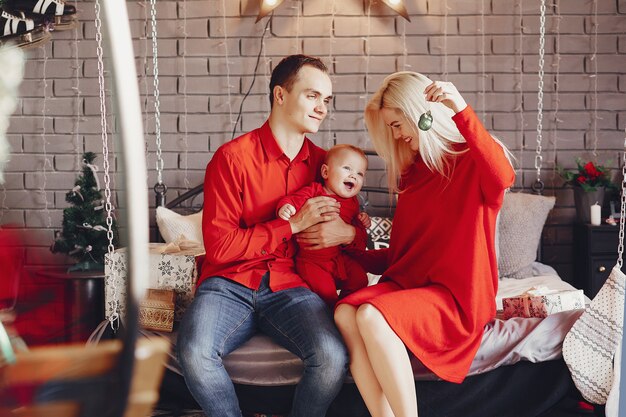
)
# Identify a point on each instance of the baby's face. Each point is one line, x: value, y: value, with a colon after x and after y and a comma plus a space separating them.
x: 344, y: 173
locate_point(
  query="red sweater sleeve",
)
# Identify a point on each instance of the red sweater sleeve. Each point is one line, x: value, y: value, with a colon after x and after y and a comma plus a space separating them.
x: 225, y: 240
x: 298, y: 198
x: 373, y: 261
x: 496, y: 171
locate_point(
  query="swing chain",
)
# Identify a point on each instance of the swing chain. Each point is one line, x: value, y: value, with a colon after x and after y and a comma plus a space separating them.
x: 620, y: 247
x: 542, y: 43
x: 113, y: 319
x: 157, y: 103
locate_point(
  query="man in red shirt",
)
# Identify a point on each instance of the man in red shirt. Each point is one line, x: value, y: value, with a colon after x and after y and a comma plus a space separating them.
x: 248, y: 281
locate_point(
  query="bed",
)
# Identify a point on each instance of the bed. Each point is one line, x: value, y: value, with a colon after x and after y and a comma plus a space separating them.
x: 518, y: 370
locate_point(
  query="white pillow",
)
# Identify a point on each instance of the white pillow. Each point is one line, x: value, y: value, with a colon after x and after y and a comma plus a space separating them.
x: 173, y: 225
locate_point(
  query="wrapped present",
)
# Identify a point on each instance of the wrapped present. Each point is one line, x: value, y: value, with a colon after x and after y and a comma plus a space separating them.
x: 174, y: 271
x: 156, y: 310
x: 541, y: 302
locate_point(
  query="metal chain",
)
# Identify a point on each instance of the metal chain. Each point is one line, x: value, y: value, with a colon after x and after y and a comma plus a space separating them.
x: 620, y: 246
x: 113, y: 319
x: 538, y: 186
x: 157, y: 103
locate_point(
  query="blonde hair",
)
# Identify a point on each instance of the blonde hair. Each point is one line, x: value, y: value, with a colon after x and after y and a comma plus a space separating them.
x: 404, y: 91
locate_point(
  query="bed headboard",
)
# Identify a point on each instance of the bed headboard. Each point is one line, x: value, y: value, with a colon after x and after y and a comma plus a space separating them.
x: 375, y: 200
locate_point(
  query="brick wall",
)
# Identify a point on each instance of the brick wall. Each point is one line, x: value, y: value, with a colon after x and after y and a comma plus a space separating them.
x: 207, y: 51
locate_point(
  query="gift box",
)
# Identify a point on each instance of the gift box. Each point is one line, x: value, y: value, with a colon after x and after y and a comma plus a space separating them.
x: 173, y: 271
x: 541, y: 302
x: 156, y: 310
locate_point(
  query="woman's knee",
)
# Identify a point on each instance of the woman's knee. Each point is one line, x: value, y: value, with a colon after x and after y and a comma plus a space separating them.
x: 345, y: 317
x: 369, y: 319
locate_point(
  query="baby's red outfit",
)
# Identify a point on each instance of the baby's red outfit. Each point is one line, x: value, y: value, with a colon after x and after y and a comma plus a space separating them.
x: 326, y: 270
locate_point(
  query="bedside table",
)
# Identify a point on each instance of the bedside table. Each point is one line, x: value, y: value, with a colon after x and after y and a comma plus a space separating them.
x: 84, y: 300
x: 595, y: 255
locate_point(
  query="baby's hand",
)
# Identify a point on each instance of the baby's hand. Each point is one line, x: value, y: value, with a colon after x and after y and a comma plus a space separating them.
x: 364, y: 219
x: 286, y: 211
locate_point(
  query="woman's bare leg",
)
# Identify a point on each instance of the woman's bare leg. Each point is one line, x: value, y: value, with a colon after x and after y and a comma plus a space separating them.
x: 360, y: 367
x: 389, y: 359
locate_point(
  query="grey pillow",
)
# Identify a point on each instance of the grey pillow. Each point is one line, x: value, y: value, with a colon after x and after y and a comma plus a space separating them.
x: 520, y: 224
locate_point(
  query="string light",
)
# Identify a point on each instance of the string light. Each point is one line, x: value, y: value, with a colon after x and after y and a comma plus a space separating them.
x: 594, y: 118
x: 330, y: 137
x: 266, y: 8
x: 520, y: 89
x: 76, y: 88
x: 556, y: 100
x: 44, y: 140
x: 185, y: 161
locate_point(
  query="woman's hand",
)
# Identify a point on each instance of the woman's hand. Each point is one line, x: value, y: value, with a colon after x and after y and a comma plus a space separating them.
x: 445, y: 93
x: 315, y: 210
x: 327, y: 234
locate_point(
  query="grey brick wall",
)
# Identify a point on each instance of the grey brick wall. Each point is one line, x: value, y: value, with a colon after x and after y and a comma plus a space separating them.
x: 207, y: 52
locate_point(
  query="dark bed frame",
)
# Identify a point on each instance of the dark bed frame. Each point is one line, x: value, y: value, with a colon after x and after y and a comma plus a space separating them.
x: 524, y: 389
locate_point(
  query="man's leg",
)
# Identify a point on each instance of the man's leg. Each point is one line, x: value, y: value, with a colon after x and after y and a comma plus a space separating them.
x: 219, y: 320
x: 299, y: 320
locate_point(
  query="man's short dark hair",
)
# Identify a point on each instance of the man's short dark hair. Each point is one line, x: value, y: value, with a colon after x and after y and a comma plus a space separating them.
x: 286, y: 72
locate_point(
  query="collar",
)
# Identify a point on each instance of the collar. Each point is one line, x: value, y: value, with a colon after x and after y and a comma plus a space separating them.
x: 273, y: 151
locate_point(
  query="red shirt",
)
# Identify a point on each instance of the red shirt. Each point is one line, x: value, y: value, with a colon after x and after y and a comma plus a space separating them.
x: 244, y: 180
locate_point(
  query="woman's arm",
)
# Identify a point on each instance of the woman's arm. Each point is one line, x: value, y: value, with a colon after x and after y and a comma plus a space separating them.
x: 496, y: 170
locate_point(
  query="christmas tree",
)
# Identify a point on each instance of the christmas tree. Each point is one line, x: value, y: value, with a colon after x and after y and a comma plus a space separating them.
x: 84, y: 235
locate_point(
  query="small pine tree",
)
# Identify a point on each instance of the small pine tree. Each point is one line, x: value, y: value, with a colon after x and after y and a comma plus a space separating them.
x: 84, y: 235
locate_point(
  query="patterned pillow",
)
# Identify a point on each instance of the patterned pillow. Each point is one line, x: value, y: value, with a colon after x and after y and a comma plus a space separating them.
x: 379, y: 232
x: 173, y: 225
x: 520, y: 225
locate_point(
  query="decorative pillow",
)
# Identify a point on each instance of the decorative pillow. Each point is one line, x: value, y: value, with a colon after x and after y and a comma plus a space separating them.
x: 520, y: 224
x: 379, y: 232
x: 172, y: 225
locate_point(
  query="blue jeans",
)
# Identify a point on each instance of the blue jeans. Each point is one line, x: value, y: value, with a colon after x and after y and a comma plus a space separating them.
x: 224, y: 314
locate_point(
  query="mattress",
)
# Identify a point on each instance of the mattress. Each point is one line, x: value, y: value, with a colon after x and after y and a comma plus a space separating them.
x: 262, y: 362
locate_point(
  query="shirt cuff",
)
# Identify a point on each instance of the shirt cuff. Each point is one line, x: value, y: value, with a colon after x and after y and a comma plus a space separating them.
x: 281, y: 229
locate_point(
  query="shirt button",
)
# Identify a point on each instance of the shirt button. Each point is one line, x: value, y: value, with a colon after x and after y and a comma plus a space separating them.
x: 263, y: 252
x: 284, y: 239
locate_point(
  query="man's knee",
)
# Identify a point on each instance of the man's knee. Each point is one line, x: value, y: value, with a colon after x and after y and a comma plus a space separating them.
x: 331, y: 356
x: 197, y: 353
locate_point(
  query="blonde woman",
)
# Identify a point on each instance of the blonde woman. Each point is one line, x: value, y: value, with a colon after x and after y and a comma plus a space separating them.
x: 439, y: 274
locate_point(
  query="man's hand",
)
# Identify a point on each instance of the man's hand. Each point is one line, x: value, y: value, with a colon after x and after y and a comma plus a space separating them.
x: 286, y: 211
x: 364, y: 219
x: 324, y: 235
x: 314, y: 211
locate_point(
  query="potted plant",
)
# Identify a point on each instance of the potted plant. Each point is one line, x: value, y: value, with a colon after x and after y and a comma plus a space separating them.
x: 589, y: 182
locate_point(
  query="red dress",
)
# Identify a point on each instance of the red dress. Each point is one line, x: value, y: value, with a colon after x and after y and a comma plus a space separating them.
x: 440, y: 273
x: 326, y: 270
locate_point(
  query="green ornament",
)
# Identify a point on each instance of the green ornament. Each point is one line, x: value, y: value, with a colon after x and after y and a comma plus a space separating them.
x: 426, y: 121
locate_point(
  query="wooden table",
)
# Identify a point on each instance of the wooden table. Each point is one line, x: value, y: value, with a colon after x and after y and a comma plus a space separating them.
x: 84, y: 305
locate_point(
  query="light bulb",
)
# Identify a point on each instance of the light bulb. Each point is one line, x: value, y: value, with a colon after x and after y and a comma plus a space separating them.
x: 270, y: 2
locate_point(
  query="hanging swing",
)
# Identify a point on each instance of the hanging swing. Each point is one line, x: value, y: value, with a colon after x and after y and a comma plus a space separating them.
x: 538, y: 186
x: 95, y: 381
x: 160, y: 188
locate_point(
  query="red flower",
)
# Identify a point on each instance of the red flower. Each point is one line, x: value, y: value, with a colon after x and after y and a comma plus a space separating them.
x: 581, y: 179
x: 592, y: 171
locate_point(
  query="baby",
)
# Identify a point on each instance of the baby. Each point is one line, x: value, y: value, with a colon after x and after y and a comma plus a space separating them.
x: 329, y: 269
